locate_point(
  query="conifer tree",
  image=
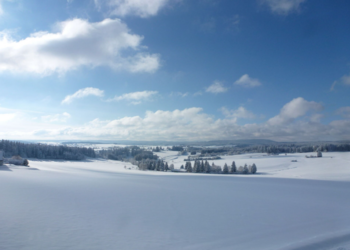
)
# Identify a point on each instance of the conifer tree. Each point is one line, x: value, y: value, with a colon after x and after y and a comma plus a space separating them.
x: 207, y: 167
x: 158, y: 166
x: 189, y: 168
x: 202, y: 169
x: 225, y: 169
x: 253, y: 169
x: 245, y: 169
x: 233, y: 168
x: 195, y: 167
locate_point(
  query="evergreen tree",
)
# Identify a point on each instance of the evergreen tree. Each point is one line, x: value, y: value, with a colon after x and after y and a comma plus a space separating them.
x: 245, y: 169
x: 198, y: 168
x: 207, y: 167
x: 157, y: 166
x: 225, y: 169
x: 186, y: 165
x: 253, y: 169
x: 233, y: 168
x: 189, y: 168
x: 195, y: 166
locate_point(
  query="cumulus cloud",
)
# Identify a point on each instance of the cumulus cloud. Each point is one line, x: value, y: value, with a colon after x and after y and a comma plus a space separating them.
x: 195, y: 124
x: 141, y: 8
x: 216, y: 88
x: 246, y: 81
x: 135, y: 97
x: 298, y: 107
x: 76, y: 43
x: 298, y: 120
x: 7, y: 117
x: 81, y: 93
x: 56, y: 118
x: 283, y: 7
x: 241, y: 112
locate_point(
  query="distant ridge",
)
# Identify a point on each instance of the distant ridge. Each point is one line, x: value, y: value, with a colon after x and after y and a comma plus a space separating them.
x: 242, y: 142
x: 198, y: 143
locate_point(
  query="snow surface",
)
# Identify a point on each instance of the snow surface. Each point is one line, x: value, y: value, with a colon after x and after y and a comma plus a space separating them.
x: 102, y: 204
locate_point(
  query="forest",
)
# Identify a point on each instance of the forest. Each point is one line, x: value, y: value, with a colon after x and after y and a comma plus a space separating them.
x: 44, y: 151
x: 278, y: 148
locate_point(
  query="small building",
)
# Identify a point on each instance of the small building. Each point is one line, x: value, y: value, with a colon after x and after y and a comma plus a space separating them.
x: 319, y: 154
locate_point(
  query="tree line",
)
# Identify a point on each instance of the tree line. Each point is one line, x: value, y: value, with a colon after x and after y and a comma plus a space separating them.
x: 44, y: 151
x: 279, y: 148
x: 132, y: 154
x: 198, y: 167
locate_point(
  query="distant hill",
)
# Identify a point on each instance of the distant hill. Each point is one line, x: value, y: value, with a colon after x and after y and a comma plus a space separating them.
x: 242, y: 142
x: 167, y: 143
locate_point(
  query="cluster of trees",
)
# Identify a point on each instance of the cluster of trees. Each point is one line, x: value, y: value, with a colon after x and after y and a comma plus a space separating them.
x: 132, y: 154
x: 213, y: 151
x: 115, y: 153
x: 204, y: 167
x: 157, y: 149
x: 278, y: 148
x: 16, y: 160
x: 44, y: 151
x: 198, y: 167
x: 154, y: 165
x: 202, y: 158
x: 176, y: 148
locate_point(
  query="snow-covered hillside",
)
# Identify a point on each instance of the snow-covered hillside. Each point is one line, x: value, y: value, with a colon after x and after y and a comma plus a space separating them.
x: 105, y: 205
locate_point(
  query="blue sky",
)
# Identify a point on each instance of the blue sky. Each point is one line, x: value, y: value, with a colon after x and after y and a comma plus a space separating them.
x: 175, y: 69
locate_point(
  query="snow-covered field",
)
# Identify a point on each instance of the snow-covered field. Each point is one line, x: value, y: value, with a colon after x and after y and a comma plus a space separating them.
x: 100, y: 204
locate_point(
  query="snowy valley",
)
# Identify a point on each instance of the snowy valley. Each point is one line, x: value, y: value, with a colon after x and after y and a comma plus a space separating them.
x: 106, y: 204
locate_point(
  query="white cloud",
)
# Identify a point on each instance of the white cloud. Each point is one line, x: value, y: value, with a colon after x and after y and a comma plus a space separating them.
x: 248, y: 82
x: 283, y: 7
x: 7, y: 117
x: 77, y: 43
x: 346, y: 79
x: 135, y: 97
x: 298, y: 120
x: 141, y: 8
x: 216, y: 88
x: 194, y: 124
x: 56, y: 118
x: 298, y: 107
x: 241, y: 112
x: 83, y: 93
x: 344, y: 112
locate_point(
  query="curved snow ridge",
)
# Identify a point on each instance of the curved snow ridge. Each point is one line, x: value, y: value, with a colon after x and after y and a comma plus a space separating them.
x: 339, y: 241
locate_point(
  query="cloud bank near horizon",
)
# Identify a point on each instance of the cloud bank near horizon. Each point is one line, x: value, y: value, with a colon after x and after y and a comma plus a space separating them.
x: 298, y: 120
